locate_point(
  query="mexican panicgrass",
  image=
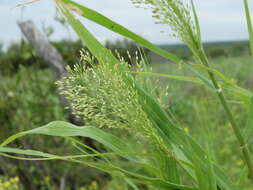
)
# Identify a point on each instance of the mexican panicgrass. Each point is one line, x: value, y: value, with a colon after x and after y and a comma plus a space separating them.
x: 104, y: 93
x: 186, y: 152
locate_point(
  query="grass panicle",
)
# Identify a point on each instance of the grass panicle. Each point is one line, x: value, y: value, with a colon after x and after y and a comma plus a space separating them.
x: 178, y: 15
x: 101, y: 96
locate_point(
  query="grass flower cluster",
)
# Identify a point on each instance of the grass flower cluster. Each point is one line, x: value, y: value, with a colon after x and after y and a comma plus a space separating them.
x: 102, y: 97
x: 175, y: 13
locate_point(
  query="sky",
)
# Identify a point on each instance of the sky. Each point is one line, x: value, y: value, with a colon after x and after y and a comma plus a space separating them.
x: 220, y: 20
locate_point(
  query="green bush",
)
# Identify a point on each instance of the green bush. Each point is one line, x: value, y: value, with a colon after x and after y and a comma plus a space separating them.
x: 29, y: 98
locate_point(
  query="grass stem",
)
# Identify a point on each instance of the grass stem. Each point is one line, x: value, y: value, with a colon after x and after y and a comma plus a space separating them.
x: 236, y: 129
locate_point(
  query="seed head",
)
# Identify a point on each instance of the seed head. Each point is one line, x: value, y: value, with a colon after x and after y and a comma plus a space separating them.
x: 101, y: 95
x: 175, y: 13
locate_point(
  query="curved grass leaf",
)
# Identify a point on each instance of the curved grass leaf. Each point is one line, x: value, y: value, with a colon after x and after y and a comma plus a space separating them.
x: 64, y: 129
x: 38, y: 155
x: 26, y: 152
x: 215, y: 72
x: 117, y: 28
x: 96, y: 48
x: 104, y: 167
x: 143, y: 179
x: 176, y: 77
x: 242, y: 93
x: 249, y: 24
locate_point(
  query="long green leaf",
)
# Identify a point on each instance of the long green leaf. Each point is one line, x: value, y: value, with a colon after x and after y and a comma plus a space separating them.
x: 143, y: 179
x: 104, y: 167
x: 26, y: 152
x: 117, y: 28
x: 249, y: 24
x: 64, y: 129
x: 96, y: 48
x: 176, y: 77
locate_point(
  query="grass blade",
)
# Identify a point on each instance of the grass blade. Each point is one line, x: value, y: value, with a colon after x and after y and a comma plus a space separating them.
x: 176, y: 77
x: 26, y: 152
x: 64, y: 129
x: 249, y: 24
x: 96, y: 48
x: 156, y: 182
x: 104, y: 167
x: 117, y: 28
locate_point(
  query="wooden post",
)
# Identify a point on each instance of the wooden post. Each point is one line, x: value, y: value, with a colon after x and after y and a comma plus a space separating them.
x: 50, y: 54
